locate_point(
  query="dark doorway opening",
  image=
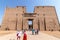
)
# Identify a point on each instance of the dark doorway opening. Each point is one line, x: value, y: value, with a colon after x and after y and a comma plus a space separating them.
x: 30, y: 24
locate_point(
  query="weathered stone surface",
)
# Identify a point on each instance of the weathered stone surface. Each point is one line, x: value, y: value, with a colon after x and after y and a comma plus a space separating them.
x: 44, y: 18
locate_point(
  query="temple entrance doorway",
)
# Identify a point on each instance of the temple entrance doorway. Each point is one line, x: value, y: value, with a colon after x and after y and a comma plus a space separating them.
x: 30, y: 24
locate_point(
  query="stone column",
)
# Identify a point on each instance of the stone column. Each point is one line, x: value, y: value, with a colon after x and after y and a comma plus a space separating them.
x: 41, y: 20
x: 25, y: 23
x: 35, y: 23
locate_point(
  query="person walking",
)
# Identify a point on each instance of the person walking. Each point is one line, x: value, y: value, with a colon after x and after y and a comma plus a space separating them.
x: 19, y: 33
x: 25, y: 35
x: 33, y: 31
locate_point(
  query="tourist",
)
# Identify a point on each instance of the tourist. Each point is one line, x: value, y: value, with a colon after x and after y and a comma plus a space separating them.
x: 36, y: 31
x: 19, y: 33
x: 25, y: 35
x: 33, y: 31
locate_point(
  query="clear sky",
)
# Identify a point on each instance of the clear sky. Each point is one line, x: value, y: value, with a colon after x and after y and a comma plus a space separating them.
x: 29, y: 5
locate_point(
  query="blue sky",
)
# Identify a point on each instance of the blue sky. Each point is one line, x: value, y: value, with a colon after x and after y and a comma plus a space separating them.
x: 29, y: 5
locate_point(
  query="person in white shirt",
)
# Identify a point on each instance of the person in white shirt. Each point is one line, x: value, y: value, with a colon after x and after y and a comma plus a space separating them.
x: 19, y: 33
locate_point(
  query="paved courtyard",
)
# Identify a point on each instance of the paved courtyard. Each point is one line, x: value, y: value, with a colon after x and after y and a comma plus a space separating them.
x: 40, y: 36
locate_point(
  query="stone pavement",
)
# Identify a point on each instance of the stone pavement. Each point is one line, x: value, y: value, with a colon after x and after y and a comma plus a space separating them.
x: 41, y: 36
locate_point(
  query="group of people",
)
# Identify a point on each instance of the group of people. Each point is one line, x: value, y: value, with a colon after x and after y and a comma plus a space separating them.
x: 36, y: 31
x: 19, y: 33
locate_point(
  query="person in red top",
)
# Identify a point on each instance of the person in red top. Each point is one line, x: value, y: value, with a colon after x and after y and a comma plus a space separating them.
x: 25, y: 36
